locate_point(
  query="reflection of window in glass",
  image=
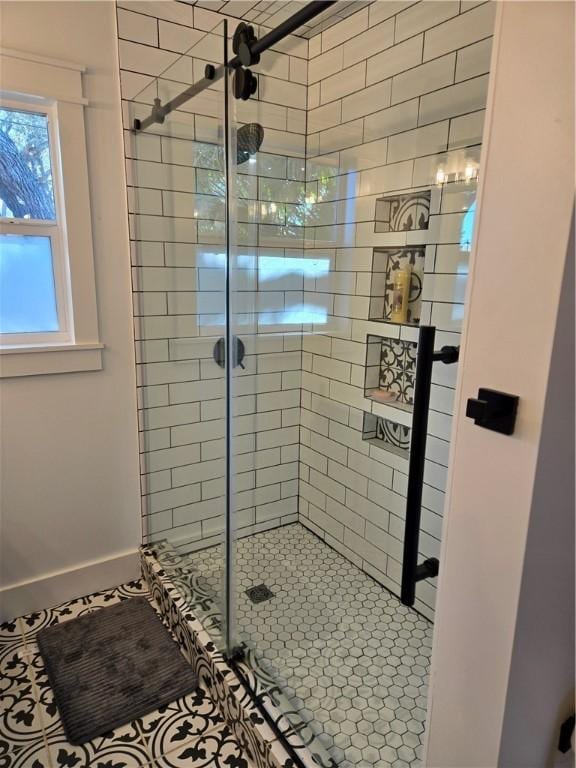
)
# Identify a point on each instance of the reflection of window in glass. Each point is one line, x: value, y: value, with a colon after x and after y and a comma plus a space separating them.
x: 33, y: 270
x: 268, y: 269
x: 299, y: 314
x: 25, y: 168
x: 275, y: 267
x: 467, y: 228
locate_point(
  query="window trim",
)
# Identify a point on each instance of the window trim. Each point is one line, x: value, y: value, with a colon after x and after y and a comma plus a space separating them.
x: 56, y: 87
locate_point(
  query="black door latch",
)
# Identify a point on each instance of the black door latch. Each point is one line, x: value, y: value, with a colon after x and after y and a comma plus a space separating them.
x: 447, y: 355
x: 493, y: 410
x: 238, y: 352
x: 566, y: 731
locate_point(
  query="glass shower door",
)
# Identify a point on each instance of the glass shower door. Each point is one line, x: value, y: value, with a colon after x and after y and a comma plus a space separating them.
x: 321, y: 410
x: 177, y: 195
x: 268, y: 270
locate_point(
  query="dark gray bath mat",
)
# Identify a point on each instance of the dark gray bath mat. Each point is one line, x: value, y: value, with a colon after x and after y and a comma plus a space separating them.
x: 112, y: 666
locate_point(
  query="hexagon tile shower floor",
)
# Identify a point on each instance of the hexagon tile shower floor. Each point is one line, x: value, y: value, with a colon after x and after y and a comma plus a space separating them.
x: 350, y: 658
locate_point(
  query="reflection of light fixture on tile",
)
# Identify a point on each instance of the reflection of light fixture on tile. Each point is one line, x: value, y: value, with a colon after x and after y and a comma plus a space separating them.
x: 273, y: 207
x: 470, y: 173
x: 310, y: 198
x: 251, y: 160
x: 195, y: 214
x: 440, y: 176
x: 263, y: 209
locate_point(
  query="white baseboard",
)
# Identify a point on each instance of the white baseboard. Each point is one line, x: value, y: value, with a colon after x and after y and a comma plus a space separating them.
x: 55, y: 588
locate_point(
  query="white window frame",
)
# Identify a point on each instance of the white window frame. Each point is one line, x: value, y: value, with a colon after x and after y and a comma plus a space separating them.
x: 54, y: 230
x: 55, y: 88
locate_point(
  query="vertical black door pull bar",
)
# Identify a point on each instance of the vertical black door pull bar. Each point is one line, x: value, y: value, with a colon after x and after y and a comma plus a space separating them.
x: 426, y: 356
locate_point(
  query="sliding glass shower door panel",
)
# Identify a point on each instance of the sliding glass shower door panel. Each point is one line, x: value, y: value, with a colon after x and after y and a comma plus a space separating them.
x: 268, y: 314
x: 177, y: 189
x: 354, y: 228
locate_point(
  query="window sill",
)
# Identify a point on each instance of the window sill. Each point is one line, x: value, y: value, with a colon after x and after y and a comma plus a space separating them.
x: 48, y: 359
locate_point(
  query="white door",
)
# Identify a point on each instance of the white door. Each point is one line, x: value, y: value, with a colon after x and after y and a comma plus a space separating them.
x: 502, y: 668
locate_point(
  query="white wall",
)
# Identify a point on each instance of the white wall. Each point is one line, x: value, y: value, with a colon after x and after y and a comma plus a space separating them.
x: 69, y: 490
x: 541, y: 685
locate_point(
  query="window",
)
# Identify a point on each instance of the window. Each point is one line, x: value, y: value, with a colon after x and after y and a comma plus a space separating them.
x: 34, y: 279
x: 48, y: 311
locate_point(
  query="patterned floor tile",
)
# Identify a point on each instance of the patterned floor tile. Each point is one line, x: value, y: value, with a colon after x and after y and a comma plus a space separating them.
x: 9, y: 632
x: 31, y: 732
x: 14, y: 669
x: 32, y: 755
x: 114, y: 754
x: 188, y: 718
x: 217, y: 749
x: 20, y: 718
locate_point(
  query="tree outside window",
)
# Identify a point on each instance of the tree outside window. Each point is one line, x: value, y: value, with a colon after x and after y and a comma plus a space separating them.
x: 25, y: 170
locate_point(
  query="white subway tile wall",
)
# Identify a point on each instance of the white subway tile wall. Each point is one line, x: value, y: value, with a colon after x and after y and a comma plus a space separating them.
x: 390, y: 99
x: 176, y: 204
x: 396, y: 104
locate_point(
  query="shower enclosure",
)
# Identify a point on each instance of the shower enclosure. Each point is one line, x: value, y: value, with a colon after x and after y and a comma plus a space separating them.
x: 294, y: 431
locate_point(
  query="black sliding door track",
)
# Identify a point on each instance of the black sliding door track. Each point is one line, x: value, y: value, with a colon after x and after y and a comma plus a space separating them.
x: 212, y: 74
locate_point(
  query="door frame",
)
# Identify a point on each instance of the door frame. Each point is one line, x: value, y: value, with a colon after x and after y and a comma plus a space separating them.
x: 513, y: 298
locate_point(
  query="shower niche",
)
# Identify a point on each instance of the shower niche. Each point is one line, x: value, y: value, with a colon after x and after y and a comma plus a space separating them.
x: 390, y: 369
x: 391, y: 362
x: 386, y: 434
x: 402, y: 214
x: 389, y: 385
x: 385, y: 263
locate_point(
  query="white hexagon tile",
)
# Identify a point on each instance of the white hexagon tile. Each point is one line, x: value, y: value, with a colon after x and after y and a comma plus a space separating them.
x: 332, y: 649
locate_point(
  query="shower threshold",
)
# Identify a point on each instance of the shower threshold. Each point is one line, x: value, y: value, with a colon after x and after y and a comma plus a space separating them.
x: 338, y: 663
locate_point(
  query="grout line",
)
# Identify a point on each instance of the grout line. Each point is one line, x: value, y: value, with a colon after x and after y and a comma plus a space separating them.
x: 20, y: 624
x: 38, y: 708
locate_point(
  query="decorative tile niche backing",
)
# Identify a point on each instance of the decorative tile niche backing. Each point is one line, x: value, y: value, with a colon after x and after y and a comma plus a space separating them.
x: 400, y: 213
x: 385, y: 262
x: 390, y: 368
x: 386, y: 434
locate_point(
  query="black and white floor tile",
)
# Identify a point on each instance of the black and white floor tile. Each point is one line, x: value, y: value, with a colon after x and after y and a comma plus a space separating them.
x: 341, y: 662
x: 188, y: 732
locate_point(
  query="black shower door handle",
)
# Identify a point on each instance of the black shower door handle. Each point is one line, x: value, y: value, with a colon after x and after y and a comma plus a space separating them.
x: 426, y: 356
x: 238, y: 352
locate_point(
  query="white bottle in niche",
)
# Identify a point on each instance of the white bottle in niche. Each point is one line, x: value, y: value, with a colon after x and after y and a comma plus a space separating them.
x: 400, y: 295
